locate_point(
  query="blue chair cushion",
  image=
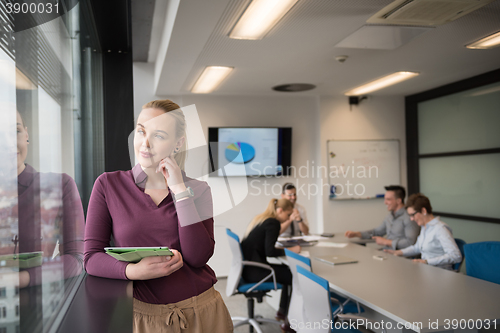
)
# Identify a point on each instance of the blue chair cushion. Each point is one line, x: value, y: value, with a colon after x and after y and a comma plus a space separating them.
x: 460, y: 243
x: 481, y: 261
x: 266, y: 286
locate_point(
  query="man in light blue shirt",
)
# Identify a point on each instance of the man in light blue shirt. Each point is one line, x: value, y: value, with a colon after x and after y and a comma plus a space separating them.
x: 435, y: 242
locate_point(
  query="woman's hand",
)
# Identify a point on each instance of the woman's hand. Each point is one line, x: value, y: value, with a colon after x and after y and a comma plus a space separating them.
x: 24, y: 279
x: 398, y: 253
x: 172, y: 173
x: 154, y: 267
x: 422, y: 261
x: 295, y: 248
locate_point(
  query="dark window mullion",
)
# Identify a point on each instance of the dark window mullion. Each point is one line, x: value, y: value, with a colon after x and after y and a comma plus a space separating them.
x: 467, y: 217
x: 462, y: 153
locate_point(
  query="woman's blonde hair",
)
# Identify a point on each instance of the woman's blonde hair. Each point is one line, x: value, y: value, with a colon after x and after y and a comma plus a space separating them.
x: 175, y: 111
x: 270, y: 211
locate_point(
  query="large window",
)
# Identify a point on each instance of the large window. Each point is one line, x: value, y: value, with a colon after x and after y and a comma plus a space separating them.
x: 50, y: 106
x: 454, y: 148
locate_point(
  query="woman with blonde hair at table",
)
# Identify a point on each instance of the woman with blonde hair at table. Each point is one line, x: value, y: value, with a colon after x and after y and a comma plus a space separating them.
x: 259, y: 242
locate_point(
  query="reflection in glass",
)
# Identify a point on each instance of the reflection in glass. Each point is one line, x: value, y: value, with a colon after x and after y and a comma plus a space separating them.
x: 9, y: 276
x: 41, y: 213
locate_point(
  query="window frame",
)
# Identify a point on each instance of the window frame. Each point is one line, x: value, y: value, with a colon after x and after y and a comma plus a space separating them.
x: 412, y: 148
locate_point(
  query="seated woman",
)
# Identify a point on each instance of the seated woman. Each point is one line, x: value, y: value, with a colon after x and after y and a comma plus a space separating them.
x: 259, y: 242
x: 435, y: 243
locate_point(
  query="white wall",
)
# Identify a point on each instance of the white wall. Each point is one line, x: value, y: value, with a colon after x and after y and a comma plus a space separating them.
x: 375, y: 118
x: 299, y: 112
x: 314, y: 121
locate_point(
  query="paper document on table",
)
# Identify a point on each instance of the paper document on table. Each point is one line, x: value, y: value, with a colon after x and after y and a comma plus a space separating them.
x: 308, y: 238
x: 330, y: 244
x: 312, y: 238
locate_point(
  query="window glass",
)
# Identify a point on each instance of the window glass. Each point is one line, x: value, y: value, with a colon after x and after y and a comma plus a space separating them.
x: 460, y: 122
x: 41, y: 211
x: 467, y: 185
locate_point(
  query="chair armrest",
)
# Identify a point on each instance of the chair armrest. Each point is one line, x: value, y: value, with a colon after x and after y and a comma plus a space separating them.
x: 265, y: 266
x: 257, y: 264
x: 339, y: 303
x: 355, y: 318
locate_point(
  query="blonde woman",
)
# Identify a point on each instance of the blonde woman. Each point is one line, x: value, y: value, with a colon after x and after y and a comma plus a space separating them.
x: 156, y: 204
x: 259, y: 242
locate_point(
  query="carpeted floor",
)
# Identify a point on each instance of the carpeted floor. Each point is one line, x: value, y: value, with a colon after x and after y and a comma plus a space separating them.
x: 237, y: 306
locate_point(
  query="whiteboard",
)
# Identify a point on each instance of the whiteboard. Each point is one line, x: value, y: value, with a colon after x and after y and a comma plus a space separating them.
x: 360, y: 169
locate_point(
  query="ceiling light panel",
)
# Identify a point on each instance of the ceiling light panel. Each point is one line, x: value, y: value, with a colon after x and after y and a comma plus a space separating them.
x: 381, y: 83
x: 260, y: 17
x: 210, y: 79
x: 487, y: 42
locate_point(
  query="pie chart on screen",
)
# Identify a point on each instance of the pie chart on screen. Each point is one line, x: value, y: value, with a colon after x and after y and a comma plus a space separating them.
x: 233, y: 152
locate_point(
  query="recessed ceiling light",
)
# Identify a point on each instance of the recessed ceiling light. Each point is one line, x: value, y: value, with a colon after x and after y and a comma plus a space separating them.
x: 488, y: 42
x: 210, y: 79
x: 259, y: 18
x: 381, y: 83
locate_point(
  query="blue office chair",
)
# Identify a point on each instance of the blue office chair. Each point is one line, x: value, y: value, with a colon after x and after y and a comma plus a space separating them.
x: 481, y: 261
x: 252, y: 291
x: 460, y: 244
x: 296, y: 309
x: 318, y: 308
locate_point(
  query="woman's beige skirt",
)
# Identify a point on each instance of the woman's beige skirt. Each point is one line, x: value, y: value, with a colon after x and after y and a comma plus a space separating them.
x: 205, y: 313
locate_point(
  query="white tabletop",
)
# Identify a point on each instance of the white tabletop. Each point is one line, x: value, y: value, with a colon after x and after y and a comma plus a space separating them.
x: 405, y: 291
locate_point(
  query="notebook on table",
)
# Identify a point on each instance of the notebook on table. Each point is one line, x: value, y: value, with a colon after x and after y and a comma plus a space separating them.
x: 336, y: 259
x: 293, y: 242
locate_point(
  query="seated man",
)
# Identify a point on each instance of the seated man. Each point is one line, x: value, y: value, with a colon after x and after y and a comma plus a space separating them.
x: 399, y: 229
x: 297, y: 223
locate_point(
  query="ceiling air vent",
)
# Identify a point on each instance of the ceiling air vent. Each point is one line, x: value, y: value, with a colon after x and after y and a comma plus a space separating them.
x: 294, y: 87
x: 425, y: 12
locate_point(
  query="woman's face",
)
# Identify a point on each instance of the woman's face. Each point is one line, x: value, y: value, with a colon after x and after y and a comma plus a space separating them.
x: 416, y: 216
x: 22, y: 141
x: 155, y: 137
x: 283, y: 215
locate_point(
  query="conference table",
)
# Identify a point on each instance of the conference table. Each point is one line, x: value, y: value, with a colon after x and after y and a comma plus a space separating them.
x: 418, y: 297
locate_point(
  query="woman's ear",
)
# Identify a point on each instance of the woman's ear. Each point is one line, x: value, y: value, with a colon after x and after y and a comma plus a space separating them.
x: 279, y: 210
x: 180, y: 142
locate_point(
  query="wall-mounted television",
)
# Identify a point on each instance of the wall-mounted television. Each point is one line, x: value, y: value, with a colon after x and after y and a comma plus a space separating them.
x: 250, y: 151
